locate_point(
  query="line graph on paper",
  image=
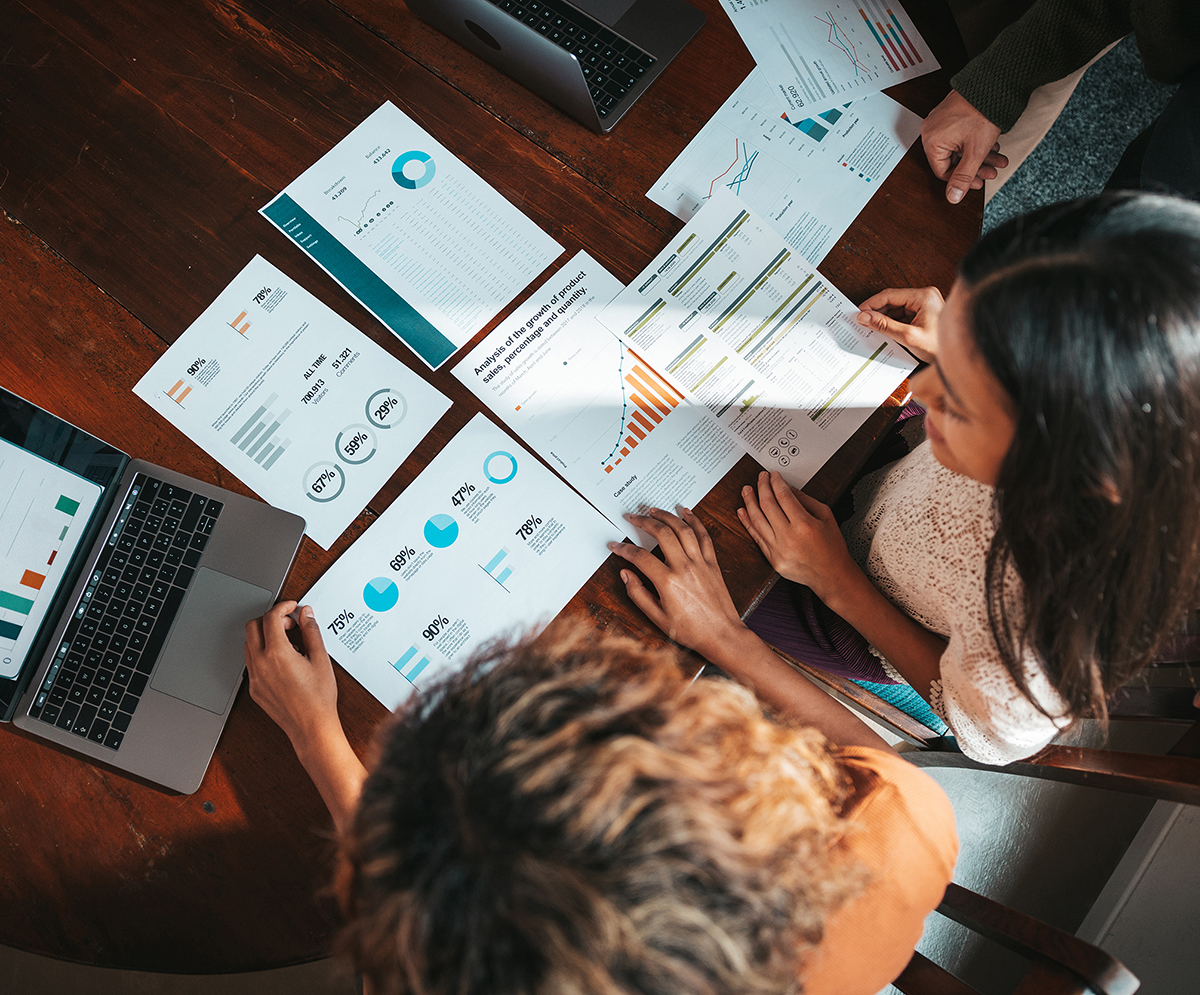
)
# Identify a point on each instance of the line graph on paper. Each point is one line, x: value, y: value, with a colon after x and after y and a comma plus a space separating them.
x: 816, y: 53
x: 742, y: 155
x: 838, y: 40
x: 624, y: 405
x: 647, y: 400
x: 363, y: 214
x: 723, y: 158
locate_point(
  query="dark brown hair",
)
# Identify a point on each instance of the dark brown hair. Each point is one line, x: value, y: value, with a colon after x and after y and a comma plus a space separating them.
x: 580, y: 818
x: 1088, y: 313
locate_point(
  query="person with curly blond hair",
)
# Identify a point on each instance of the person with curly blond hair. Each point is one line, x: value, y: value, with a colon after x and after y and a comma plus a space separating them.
x: 575, y: 815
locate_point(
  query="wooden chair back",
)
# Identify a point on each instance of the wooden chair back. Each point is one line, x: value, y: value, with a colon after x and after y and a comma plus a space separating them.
x: 1062, y: 964
x: 1172, y: 777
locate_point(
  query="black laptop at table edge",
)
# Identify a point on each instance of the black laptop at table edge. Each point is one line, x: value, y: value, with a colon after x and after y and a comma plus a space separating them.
x: 164, y: 663
x: 628, y: 44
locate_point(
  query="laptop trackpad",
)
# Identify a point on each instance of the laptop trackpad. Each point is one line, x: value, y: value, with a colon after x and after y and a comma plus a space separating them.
x: 203, y: 660
x: 606, y: 11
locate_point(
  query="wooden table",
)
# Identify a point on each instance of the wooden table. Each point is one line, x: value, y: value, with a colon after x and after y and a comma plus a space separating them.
x: 138, y: 138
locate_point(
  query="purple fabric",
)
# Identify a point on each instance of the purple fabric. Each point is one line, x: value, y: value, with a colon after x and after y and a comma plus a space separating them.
x: 796, y: 621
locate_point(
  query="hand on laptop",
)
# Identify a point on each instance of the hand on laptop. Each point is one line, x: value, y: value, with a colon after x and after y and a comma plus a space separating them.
x: 299, y: 692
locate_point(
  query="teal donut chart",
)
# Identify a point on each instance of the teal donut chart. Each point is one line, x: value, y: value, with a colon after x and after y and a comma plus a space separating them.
x: 414, y: 156
x: 487, y: 472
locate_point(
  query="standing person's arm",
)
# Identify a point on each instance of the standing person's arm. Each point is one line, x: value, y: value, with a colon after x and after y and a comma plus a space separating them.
x: 299, y: 691
x: 1051, y: 40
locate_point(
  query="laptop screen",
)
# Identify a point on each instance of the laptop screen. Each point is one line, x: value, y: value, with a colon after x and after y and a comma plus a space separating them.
x: 53, y: 479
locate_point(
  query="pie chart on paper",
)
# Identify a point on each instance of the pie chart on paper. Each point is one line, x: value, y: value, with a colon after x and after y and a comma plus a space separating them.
x: 441, y: 531
x: 381, y: 594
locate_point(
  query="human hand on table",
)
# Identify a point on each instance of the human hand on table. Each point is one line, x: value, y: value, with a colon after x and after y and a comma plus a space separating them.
x: 296, y: 689
x: 960, y: 144
x: 689, y: 601
x: 691, y: 604
x: 797, y: 534
x: 907, y: 314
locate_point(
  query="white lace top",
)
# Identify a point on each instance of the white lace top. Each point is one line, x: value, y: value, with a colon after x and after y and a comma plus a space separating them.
x: 921, y: 533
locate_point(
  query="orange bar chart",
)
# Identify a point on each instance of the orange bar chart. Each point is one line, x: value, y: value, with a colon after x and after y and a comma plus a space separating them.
x: 651, y: 399
x: 178, y: 398
x: 239, y: 324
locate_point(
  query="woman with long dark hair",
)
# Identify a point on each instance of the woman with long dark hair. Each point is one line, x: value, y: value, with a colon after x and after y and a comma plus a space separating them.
x: 1031, y: 554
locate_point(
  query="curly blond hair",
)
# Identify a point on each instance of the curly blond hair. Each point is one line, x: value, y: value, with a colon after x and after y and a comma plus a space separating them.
x: 579, y: 819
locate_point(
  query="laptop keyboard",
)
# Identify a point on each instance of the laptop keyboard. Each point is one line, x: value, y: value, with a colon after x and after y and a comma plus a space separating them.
x: 611, y: 65
x: 119, y: 626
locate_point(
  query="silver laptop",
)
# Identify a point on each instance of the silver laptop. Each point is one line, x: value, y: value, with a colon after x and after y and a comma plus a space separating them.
x: 125, y: 589
x: 592, y: 58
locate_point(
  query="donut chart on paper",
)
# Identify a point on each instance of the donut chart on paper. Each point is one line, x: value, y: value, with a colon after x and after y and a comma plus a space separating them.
x: 416, y: 155
x: 500, y: 467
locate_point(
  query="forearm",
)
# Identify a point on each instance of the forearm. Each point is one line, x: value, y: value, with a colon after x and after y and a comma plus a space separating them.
x: 746, y: 658
x: 335, y: 770
x: 1051, y: 40
x: 908, y: 646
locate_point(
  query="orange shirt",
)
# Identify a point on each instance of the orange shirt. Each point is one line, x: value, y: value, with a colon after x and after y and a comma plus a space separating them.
x: 902, y: 831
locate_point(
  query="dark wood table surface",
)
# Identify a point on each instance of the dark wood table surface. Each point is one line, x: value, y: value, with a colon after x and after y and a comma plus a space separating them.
x: 138, y: 139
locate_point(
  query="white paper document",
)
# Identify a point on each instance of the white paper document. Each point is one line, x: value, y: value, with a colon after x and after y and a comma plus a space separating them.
x: 613, y: 426
x: 292, y: 398
x: 814, y: 52
x: 808, y: 175
x: 739, y: 321
x: 486, y: 541
x: 423, y: 242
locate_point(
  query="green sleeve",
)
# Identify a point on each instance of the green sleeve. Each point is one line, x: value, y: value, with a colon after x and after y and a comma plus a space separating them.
x: 1051, y: 40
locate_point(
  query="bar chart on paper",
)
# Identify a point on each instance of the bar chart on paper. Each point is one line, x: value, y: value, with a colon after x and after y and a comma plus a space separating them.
x: 258, y: 436
x: 592, y: 408
x: 499, y: 567
x: 177, y: 395
x: 411, y: 664
x: 890, y: 35
x: 815, y: 53
x: 39, y: 504
x: 647, y: 400
x: 808, y: 172
x: 863, y: 43
x: 853, y: 46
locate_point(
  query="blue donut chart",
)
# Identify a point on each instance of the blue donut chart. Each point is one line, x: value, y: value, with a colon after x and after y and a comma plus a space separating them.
x: 487, y: 467
x: 416, y: 155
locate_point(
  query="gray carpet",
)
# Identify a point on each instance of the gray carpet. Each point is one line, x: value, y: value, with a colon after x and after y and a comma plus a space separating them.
x: 1114, y: 102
